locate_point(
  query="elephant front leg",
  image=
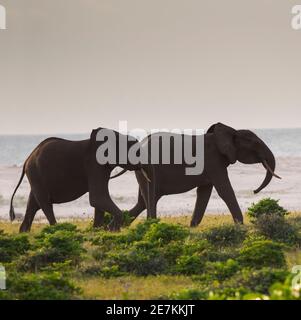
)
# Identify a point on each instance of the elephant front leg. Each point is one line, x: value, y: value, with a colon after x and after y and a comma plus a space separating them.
x: 98, y: 218
x: 101, y: 200
x: 225, y: 191
x: 106, y: 204
x: 203, y: 196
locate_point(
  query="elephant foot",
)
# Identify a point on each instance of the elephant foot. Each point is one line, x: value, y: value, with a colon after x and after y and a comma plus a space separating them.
x: 115, y: 226
x: 239, y: 222
x: 97, y: 225
x: 24, y: 228
x: 193, y: 224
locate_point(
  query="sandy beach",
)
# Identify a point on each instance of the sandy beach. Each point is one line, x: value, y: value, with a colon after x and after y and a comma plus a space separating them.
x: 245, y: 178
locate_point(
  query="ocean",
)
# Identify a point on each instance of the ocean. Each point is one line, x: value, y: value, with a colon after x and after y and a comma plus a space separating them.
x: 14, y: 149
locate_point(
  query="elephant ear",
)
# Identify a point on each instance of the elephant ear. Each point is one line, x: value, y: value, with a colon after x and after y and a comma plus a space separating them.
x: 93, y: 143
x: 224, y: 139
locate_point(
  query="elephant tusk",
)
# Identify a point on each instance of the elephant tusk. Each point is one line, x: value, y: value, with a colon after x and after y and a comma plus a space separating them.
x: 119, y: 174
x: 145, y: 175
x: 266, y: 165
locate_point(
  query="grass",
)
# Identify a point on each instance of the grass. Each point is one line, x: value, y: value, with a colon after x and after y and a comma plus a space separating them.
x: 133, y: 287
x: 199, y: 263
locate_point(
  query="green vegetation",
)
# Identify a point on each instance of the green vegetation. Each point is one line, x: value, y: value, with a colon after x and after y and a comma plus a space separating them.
x: 156, y: 259
x: 266, y: 206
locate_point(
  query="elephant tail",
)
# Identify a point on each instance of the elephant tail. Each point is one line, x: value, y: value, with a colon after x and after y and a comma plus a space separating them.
x: 12, y: 210
x: 119, y: 174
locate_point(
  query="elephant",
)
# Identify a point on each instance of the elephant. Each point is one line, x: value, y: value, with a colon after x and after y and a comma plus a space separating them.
x: 60, y: 171
x: 223, y: 146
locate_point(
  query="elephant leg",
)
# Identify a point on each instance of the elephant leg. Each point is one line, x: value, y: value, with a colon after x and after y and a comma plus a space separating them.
x: 31, y: 210
x: 152, y: 207
x: 107, y: 205
x: 44, y: 203
x: 104, y: 203
x: 203, y: 196
x: 98, y: 218
x: 152, y: 199
x: 225, y: 191
x: 152, y: 193
x: 41, y: 196
x: 139, y: 207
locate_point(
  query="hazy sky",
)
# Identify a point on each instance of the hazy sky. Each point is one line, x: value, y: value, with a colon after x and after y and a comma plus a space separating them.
x: 73, y: 65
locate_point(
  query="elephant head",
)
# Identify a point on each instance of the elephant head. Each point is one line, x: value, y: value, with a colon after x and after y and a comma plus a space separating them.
x: 246, y: 147
x: 112, y: 148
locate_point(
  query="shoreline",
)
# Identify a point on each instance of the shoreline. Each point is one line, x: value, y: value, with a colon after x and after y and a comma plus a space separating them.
x: 124, y: 191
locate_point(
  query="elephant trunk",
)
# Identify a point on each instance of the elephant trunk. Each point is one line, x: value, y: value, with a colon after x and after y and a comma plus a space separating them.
x: 269, y: 164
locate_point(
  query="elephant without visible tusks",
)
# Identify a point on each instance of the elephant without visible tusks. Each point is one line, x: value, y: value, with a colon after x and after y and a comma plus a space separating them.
x: 61, y: 171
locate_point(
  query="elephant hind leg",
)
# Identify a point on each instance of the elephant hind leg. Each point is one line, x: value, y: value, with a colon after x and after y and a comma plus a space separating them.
x: 45, y: 204
x: 139, y: 207
x: 31, y: 210
x: 41, y: 194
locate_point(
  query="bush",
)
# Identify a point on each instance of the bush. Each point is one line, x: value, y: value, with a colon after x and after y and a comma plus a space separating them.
x: 69, y: 227
x: 13, y: 246
x: 221, y: 270
x: 262, y: 253
x: 149, y: 230
x: 266, y: 206
x: 188, y: 265
x: 261, y: 280
x: 175, y: 249
x: 276, y: 228
x: 138, y: 233
x: 226, y: 235
x: 165, y: 233
x: 46, y: 286
x: 137, y: 259
x: 284, y: 291
x: 54, y: 245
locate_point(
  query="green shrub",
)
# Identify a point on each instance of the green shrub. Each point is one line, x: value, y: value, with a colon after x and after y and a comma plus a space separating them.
x: 138, y: 233
x: 46, y: 286
x: 149, y: 230
x: 12, y: 246
x: 109, y: 272
x: 261, y: 280
x: 172, y: 251
x: 141, y: 258
x: 221, y: 270
x: 175, y: 249
x: 266, y: 206
x: 285, y: 291
x: 53, y: 247
x: 226, y: 235
x: 165, y: 233
x: 110, y: 240
x: 188, y: 265
x: 276, y: 228
x: 69, y: 227
x: 97, y: 270
x: 262, y: 253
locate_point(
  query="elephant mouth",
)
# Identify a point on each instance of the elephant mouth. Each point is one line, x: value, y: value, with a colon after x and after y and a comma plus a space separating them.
x: 268, y: 168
